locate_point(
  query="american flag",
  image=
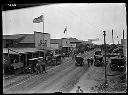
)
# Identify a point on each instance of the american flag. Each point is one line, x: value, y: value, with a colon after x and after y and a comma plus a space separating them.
x: 38, y: 19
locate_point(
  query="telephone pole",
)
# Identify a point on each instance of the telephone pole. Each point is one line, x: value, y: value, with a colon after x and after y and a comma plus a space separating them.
x: 105, y: 58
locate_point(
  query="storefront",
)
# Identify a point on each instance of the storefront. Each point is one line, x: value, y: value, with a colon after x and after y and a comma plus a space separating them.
x: 21, y: 56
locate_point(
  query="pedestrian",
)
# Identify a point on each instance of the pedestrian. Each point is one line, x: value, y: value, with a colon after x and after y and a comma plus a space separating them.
x: 12, y: 69
x: 39, y: 67
x: 91, y: 61
x: 43, y: 66
x: 73, y: 56
x: 79, y: 90
x: 88, y: 61
x: 40, y: 63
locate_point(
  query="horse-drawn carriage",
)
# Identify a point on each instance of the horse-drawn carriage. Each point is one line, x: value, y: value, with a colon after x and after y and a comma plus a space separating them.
x: 98, y: 58
x: 79, y: 61
x: 54, y: 60
x: 31, y: 68
x: 35, y: 65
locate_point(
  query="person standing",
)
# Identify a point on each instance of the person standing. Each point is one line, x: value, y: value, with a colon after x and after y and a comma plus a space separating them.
x: 72, y: 55
x: 43, y: 66
x: 91, y: 60
x: 88, y: 61
x: 38, y: 67
x: 12, y: 69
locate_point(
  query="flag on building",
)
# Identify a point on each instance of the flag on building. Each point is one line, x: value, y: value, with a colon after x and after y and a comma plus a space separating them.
x: 65, y: 29
x: 38, y: 19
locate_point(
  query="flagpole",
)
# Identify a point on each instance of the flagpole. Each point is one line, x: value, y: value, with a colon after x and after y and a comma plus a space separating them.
x: 67, y: 39
x: 112, y: 37
x: 123, y: 33
x: 117, y: 40
x: 43, y: 37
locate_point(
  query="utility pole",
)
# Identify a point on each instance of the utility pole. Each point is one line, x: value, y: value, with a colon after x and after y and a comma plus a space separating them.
x: 105, y: 58
x: 118, y: 40
x: 8, y: 52
x: 112, y: 37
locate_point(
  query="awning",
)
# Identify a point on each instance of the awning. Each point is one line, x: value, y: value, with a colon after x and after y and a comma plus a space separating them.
x: 48, y: 48
x: 34, y: 59
x: 57, y: 55
x: 24, y: 50
x: 20, y: 50
x: 40, y: 57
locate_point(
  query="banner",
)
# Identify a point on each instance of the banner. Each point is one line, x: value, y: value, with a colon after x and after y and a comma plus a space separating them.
x: 42, y: 40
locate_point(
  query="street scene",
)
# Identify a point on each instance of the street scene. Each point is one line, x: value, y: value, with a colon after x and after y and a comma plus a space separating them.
x: 59, y: 48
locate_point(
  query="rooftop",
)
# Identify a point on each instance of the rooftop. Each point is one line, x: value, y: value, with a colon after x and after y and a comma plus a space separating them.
x: 24, y: 50
x: 74, y: 40
x: 29, y: 38
x: 16, y: 36
x: 55, y: 41
x: 41, y: 32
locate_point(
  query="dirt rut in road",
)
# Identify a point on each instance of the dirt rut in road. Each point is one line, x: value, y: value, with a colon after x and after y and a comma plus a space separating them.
x: 28, y: 84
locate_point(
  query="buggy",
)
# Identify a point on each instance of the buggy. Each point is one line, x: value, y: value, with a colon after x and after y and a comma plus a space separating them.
x: 55, y: 60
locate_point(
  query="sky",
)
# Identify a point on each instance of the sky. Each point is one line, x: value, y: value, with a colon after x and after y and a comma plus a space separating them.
x: 83, y: 20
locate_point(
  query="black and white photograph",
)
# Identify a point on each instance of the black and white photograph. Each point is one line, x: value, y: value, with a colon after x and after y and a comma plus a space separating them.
x: 64, y: 48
